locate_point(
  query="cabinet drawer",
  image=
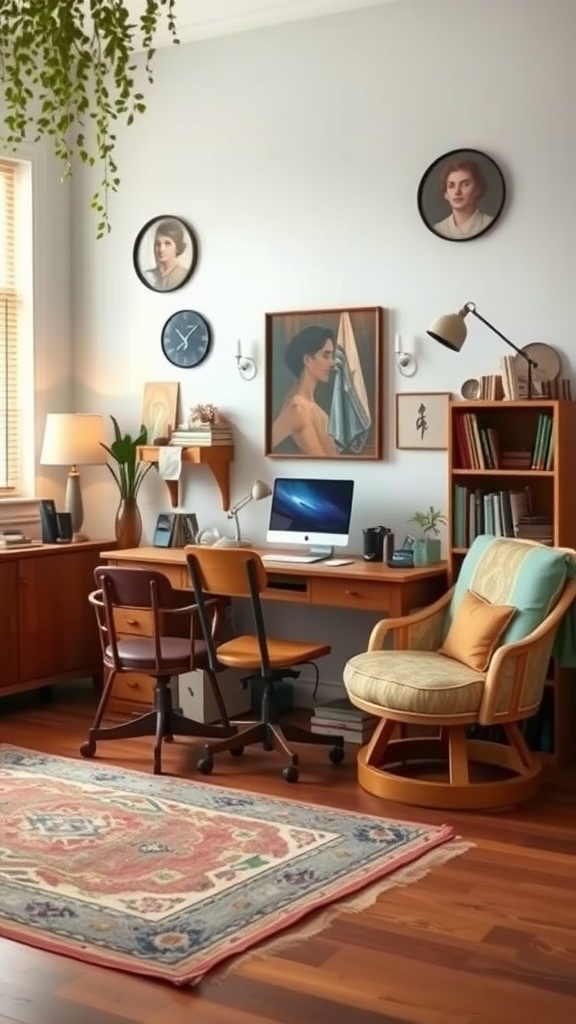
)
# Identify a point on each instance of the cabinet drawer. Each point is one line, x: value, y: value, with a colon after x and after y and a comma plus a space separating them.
x: 361, y: 594
x: 133, y: 687
x: 133, y: 622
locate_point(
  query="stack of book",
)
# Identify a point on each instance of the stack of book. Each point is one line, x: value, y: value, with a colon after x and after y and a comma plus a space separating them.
x: 198, y: 435
x: 340, y: 718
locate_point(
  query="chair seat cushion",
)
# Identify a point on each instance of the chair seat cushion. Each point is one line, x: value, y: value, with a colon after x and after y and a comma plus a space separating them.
x: 244, y: 652
x: 178, y: 655
x: 419, y: 682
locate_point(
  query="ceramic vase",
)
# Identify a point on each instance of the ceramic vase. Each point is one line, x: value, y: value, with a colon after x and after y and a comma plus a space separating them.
x: 128, y: 524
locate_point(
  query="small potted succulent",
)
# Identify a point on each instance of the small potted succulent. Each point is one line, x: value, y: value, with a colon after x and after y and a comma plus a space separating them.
x: 427, y: 549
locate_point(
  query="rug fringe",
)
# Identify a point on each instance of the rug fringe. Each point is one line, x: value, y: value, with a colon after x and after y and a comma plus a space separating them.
x: 353, y: 904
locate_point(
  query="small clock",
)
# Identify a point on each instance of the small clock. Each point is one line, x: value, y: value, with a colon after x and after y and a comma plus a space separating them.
x: 186, y: 337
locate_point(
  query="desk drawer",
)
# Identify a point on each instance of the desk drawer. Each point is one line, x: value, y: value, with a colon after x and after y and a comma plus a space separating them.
x: 133, y: 687
x: 133, y: 622
x: 362, y: 594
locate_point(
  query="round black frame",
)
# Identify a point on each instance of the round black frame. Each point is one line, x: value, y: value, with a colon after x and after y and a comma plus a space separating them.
x: 206, y: 349
x: 432, y: 206
x: 150, y: 227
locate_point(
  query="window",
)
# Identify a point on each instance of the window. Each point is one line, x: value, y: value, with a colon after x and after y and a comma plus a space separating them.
x: 9, y: 310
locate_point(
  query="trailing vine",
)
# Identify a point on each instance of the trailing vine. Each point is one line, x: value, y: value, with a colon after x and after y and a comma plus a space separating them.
x: 67, y: 71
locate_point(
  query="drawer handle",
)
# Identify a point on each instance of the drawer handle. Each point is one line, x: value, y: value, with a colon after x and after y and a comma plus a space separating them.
x: 132, y: 684
x: 351, y: 593
x: 132, y: 622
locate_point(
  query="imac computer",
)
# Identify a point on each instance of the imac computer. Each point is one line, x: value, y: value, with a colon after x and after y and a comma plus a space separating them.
x: 313, y: 512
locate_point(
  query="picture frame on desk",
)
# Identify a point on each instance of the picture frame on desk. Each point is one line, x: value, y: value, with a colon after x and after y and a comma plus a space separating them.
x: 323, y: 388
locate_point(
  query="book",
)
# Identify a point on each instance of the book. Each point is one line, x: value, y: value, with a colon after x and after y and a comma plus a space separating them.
x: 349, y: 735
x: 341, y: 709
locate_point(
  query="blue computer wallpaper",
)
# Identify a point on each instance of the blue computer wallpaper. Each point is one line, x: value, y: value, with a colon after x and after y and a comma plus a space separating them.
x: 312, y: 506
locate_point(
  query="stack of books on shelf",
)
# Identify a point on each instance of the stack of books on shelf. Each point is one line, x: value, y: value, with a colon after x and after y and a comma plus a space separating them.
x: 198, y: 435
x: 340, y: 718
x: 499, y: 513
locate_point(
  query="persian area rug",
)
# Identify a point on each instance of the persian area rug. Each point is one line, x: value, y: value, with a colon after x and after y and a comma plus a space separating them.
x: 166, y: 877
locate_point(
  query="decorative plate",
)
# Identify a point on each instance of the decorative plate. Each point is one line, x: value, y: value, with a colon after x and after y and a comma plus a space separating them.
x: 470, y: 390
x: 549, y: 363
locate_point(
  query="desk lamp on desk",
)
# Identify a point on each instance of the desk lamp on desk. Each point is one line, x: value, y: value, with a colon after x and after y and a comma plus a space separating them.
x: 259, y: 490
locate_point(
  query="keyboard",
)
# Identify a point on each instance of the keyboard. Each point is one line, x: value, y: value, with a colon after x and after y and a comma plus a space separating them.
x: 291, y: 559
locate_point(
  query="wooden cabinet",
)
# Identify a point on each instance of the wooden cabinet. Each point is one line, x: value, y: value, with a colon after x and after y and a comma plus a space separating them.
x: 476, y: 485
x: 216, y: 457
x: 47, y: 627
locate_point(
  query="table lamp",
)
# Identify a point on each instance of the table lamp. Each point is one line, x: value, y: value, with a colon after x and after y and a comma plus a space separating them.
x: 73, y: 439
x: 450, y: 330
x: 259, y: 490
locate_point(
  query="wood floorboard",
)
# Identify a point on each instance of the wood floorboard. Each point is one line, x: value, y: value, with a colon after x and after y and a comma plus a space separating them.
x: 488, y: 938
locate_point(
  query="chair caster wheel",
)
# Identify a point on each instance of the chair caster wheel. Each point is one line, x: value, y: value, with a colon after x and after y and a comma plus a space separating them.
x: 237, y: 751
x: 267, y: 746
x: 205, y: 765
x: 336, y: 754
x: 88, y: 749
x: 290, y: 774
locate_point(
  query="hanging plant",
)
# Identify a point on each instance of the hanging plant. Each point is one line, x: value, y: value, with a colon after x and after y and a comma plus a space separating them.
x: 67, y: 71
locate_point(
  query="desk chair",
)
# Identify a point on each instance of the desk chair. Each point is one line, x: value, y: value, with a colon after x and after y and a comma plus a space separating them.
x: 239, y: 572
x: 136, y: 610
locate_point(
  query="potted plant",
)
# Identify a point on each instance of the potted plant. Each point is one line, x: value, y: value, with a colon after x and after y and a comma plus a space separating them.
x: 427, y: 549
x: 128, y: 475
x: 68, y: 73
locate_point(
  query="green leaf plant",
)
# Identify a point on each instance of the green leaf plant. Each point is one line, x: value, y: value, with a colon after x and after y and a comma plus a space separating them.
x: 67, y: 72
x: 129, y: 473
x: 429, y: 521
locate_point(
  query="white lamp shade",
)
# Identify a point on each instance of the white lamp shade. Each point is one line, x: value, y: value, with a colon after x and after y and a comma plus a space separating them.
x: 449, y: 330
x: 73, y: 439
x: 260, y: 490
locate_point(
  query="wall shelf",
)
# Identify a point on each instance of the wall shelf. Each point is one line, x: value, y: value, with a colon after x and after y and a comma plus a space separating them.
x: 216, y: 457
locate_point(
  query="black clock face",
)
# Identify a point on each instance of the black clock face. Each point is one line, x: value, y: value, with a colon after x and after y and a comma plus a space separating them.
x: 186, y: 338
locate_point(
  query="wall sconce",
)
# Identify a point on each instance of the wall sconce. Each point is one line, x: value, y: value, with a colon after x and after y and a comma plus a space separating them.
x: 259, y: 490
x: 450, y: 330
x: 405, y: 361
x: 246, y: 365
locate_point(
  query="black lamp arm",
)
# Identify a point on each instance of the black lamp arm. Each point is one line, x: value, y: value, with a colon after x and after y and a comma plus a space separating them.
x: 470, y: 307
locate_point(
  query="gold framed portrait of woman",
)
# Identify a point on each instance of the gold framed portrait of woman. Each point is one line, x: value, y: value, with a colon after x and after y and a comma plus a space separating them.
x: 324, y: 371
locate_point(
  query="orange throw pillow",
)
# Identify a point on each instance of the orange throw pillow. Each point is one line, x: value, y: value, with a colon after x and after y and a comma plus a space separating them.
x: 476, y: 631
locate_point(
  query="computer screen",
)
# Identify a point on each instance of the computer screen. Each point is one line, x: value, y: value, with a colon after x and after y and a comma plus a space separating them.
x: 310, y: 511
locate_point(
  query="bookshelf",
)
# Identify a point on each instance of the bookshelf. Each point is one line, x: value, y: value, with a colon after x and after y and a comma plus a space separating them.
x: 486, y: 476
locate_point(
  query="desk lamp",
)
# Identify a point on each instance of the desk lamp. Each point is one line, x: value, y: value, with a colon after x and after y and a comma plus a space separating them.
x: 73, y: 439
x: 259, y: 490
x: 450, y: 330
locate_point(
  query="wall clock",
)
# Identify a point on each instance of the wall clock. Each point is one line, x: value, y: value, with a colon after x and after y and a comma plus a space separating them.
x: 186, y: 338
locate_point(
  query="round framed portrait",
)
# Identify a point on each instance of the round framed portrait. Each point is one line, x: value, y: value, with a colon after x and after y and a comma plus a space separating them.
x: 165, y: 253
x: 461, y: 195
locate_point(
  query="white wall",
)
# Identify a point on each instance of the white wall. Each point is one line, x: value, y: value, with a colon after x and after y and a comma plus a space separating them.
x: 295, y: 152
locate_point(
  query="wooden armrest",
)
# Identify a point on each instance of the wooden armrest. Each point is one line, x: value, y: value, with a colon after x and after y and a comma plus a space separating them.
x: 407, y: 627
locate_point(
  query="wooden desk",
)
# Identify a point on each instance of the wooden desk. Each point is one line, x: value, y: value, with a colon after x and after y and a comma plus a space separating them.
x: 366, y: 586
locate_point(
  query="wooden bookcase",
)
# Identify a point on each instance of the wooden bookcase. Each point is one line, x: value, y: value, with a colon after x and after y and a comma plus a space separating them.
x: 552, y: 494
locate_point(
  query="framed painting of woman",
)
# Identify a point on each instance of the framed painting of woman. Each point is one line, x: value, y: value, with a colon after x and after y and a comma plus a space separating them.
x: 324, y: 383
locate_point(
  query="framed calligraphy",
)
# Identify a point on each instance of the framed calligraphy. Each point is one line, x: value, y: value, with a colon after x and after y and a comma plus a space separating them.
x: 422, y: 420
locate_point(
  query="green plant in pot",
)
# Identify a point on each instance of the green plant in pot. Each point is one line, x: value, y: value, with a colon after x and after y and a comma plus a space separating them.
x: 427, y: 549
x: 128, y: 474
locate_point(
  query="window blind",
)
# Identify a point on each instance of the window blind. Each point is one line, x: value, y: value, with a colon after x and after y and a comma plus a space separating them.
x: 9, y: 412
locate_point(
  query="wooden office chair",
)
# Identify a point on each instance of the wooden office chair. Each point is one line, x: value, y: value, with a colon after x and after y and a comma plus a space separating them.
x: 136, y: 610
x: 239, y: 572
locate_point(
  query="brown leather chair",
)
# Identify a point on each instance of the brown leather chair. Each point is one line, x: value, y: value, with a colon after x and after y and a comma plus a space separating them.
x: 136, y: 611
x: 240, y: 572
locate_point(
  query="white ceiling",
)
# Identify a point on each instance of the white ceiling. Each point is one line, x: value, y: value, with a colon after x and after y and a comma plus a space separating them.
x: 199, y: 19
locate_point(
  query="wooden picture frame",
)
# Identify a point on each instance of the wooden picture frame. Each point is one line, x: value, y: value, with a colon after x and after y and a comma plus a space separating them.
x: 422, y: 420
x: 160, y: 409
x: 323, y: 389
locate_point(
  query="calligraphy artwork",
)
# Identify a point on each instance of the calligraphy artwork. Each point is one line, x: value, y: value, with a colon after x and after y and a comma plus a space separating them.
x: 422, y: 419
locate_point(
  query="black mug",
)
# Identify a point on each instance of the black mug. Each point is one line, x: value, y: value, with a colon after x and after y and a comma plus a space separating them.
x: 373, y: 543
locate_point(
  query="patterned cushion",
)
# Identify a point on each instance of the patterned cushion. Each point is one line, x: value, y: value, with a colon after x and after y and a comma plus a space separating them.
x: 421, y: 682
x: 476, y: 630
x: 513, y: 572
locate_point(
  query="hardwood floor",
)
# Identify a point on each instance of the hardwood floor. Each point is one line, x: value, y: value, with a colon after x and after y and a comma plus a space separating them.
x: 489, y: 938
